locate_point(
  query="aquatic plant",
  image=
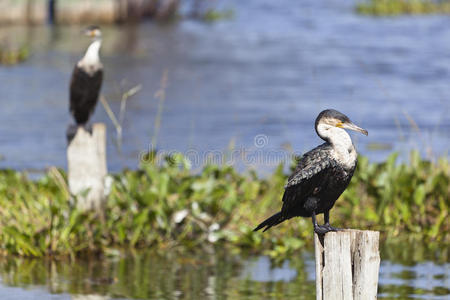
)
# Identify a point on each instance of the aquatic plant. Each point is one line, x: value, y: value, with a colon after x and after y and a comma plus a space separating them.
x: 403, y: 7
x: 165, y: 205
x: 12, y: 56
x: 213, y: 15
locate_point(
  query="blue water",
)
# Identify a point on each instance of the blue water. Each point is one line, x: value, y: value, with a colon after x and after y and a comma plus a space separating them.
x: 266, y: 72
x: 149, y: 275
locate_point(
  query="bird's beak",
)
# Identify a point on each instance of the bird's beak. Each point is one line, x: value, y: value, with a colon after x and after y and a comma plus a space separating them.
x: 91, y: 33
x: 352, y: 126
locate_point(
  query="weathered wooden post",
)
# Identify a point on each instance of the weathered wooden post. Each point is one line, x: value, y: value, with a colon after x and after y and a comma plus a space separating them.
x: 347, y: 265
x: 86, y: 159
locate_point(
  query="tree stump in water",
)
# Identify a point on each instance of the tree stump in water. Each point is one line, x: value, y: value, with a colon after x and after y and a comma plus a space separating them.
x: 347, y: 265
x: 86, y: 158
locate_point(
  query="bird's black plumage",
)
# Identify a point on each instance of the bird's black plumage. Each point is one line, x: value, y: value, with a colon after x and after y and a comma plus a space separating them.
x: 319, y: 178
x: 87, y: 78
x: 84, y: 92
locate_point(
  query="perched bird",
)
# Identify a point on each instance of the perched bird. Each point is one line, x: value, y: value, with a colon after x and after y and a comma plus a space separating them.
x: 87, y: 79
x: 321, y: 175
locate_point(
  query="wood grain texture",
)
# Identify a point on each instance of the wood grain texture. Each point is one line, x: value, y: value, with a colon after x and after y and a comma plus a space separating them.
x: 347, y: 265
x: 86, y: 157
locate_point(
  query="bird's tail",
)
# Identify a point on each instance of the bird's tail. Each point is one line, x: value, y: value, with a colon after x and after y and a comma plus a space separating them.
x: 270, y: 222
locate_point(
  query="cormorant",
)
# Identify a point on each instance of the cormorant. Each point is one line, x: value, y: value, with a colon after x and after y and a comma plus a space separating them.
x: 87, y: 79
x: 321, y: 175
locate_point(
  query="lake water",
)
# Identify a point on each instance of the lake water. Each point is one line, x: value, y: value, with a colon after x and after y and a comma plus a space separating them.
x: 255, y: 84
x: 204, y: 275
x: 266, y: 73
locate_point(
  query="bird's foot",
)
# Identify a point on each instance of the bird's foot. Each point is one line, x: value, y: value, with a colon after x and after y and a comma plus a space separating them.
x: 88, y: 127
x: 321, y: 229
x: 71, y: 132
x: 331, y: 228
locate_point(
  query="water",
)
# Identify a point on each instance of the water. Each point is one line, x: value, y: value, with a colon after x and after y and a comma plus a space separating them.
x: 202, y: 275
x: 268, y: 71
x: 265, y: 74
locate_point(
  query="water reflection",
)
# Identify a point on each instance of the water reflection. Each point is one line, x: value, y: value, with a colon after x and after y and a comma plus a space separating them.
x: 424, y: 280
x: 200, y: 275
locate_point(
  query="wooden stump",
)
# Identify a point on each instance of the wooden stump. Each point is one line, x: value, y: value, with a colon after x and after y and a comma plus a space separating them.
x: 347, y: 265
x: 86, y: 158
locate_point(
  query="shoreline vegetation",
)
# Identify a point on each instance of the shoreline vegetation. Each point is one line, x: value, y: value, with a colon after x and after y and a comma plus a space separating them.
x: 163, y: 205
x: 34, y: 12
x: 403, y: 7
x: 13, y: 55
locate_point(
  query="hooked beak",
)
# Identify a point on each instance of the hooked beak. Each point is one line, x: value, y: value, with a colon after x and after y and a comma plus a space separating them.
x: 354, y: 127
x: 92, y: 33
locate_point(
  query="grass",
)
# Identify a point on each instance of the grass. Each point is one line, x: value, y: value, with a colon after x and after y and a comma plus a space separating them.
x: 403, y: 7
x: 164, y: 205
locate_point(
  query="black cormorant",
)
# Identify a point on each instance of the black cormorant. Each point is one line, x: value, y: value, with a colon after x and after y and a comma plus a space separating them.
x: 321, y: 175
x: 87, y: 80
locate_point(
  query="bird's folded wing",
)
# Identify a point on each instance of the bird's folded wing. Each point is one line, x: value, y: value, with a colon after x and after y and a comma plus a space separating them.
x: 311, y: 164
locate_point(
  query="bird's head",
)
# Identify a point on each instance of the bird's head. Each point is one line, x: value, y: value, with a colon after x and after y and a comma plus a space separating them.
x: 93, y: 32
x: 331, y: 118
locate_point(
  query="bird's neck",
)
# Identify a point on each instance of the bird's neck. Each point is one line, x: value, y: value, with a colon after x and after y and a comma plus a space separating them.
x: 92, y: 56
x: 341, y: 143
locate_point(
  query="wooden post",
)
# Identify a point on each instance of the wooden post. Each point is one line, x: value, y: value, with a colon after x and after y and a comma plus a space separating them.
x: 347, y: 265
x: 86, y: 158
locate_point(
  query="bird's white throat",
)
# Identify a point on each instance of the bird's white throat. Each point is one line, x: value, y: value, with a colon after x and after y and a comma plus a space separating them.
x: 91, y: 60
x: 344, y: 150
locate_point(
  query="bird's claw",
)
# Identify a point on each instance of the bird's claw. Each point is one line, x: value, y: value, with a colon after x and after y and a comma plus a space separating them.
x: 331, y: 228
x: 88, y: 127
x: 322, y: 229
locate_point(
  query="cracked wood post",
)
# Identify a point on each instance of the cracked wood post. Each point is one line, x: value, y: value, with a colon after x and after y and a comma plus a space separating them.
x: 86, y: 160
x: 347, y: 265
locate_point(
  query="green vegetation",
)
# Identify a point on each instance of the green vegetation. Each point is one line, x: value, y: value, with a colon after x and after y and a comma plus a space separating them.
x: 10, y: 56
x: 166, y: 206
x: 213, y: 15
x: 403, y: 7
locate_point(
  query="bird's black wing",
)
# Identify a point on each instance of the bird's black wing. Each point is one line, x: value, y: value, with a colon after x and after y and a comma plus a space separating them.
x: 308, y: 180
x: 84, y: 92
